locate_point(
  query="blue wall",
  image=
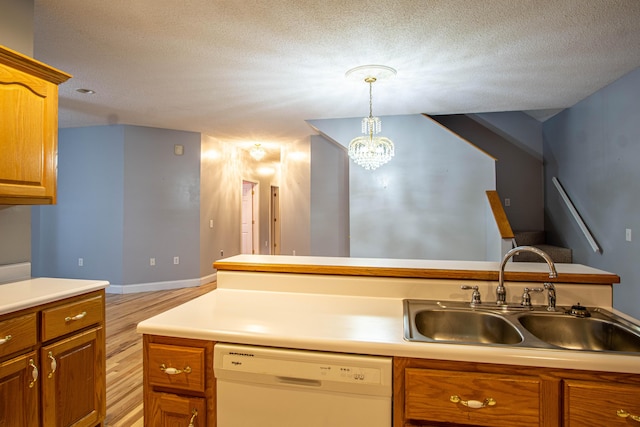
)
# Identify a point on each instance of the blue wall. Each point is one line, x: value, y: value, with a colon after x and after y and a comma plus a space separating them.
x: 594, y: 149
x: 87, y: 220
x: 123, y: 197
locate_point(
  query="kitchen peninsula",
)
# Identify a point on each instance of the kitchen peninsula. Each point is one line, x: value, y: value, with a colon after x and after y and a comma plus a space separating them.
x: 350, y: 305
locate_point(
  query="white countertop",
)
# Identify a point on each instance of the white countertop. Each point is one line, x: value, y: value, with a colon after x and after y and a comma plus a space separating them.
x: 344, y: 323
x: 16, y: 296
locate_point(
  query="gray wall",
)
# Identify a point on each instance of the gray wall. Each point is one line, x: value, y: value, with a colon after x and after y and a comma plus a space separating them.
x: 295, y: 198
x: 161, y: 205
x: 16, y: 32
x: 519, y: 172
x: 329, y: 198
x: 593, y: 149
x: 16, y: 25
x: 87, y: 220
x: 123, y: 198
x: 428, y: 202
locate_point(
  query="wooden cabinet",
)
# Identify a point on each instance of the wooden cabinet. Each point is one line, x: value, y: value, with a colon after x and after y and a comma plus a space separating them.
x: 28, y: 129
x: 175, y: 410
x: 440, y: 392
x: 179, y: 386
x: 55, y: 377
x: 503, y: 395
x: 590, y: 403
x: 478, y: 399
x: 19, y: 396
x: 73, y: 381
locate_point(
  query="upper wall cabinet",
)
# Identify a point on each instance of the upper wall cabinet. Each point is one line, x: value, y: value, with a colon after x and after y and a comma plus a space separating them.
x: 28, y: 129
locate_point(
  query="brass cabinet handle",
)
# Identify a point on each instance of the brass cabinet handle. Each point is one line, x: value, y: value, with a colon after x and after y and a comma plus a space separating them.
x: 54, y: 365
x: 624, y: 414
x: 5, y: 339
x: 175, y: 371
x: 194, y: 414
x: 34, y: 373
x: 473, y: 404
x: 76, y: 317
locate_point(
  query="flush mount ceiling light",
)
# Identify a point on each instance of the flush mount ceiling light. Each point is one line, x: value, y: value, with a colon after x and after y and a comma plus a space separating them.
x: 86, y: 91
x: 370, y: 151
x: 257, y: 152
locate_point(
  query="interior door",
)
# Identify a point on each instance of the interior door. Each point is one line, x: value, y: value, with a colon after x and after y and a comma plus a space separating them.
x: 275, y: 220
x: 249, y: 233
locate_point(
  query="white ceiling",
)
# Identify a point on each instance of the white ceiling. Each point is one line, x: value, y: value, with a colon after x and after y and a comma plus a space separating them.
x: 255, y: 70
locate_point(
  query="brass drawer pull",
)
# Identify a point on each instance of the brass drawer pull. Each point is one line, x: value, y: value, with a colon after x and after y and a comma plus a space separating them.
x: 624, y: 414
x: 76, y: 317
x: 5, y: 339
x: 54, y: 365
x: 34, y: 373
x: 194, y: 414
x: 175, y: 371
x: 473, y: 404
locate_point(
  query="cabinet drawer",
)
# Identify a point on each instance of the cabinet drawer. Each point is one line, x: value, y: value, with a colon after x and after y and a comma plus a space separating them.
x: 63, y: 319
x: 596, y: 404
x: 428, y: 397
x: 176, y: 367
x: 17, y: 333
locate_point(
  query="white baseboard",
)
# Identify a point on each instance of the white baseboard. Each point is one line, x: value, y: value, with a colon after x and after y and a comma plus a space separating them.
x: 15, y: 272
x: 160, y: 286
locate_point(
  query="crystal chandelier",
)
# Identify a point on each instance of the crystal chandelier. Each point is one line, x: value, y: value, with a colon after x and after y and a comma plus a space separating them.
x: 257, y: 152
x: 371, y: 151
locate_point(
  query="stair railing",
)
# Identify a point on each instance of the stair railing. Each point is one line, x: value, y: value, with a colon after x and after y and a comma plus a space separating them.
x: 502, y: 222
x: 576, y: 215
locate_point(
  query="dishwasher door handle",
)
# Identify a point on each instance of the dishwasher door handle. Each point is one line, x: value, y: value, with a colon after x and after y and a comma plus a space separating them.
x: 299, y: 381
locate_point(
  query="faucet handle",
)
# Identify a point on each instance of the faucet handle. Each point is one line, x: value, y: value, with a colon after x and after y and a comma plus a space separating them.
x: 475, y: 296
x: 526, y: 298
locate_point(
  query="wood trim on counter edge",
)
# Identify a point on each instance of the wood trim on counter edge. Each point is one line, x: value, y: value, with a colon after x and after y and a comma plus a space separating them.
x: 416, y: 273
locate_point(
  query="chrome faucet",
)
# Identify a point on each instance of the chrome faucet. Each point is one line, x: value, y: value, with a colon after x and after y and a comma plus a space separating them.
x: 501, y: 291
x: 551, y: 291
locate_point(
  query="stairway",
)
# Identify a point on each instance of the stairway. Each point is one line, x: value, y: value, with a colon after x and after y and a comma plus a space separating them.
x: 537, y: 238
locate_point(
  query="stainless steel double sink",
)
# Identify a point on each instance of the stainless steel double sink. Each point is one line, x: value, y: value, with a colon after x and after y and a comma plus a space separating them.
x: 518, y: 326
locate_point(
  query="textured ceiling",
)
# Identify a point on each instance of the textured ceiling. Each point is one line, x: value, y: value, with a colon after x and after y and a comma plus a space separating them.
x: 255, y: 70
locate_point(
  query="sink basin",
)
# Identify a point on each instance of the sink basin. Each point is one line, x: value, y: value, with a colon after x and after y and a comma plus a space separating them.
x: 575, y: 333
x: 463, y: 326
x: 456, y: 322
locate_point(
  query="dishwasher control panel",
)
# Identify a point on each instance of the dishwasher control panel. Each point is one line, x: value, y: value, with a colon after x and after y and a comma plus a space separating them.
x: 297, y: 369
x: 300, y: 366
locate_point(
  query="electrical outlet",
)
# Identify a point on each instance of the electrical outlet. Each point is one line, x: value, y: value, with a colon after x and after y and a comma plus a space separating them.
x: 627, y: 234
x: 176, y: 260
x: 80, y: 262
x: 507, y: 202
x: 221, y: 253
x: 210, y: 223
x: 152, y: 261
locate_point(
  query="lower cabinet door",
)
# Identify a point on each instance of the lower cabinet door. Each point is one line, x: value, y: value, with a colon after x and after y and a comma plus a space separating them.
x: 73, y: 376
x: 19, y: 391
x: 170, y: 410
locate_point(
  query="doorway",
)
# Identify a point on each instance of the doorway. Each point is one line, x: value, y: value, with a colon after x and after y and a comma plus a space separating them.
x: 249, y: 225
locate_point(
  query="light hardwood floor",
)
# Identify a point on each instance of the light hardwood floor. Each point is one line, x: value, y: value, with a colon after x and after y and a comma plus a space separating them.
x: 124, y: 348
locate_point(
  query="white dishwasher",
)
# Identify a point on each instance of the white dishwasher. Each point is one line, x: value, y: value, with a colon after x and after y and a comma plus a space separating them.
x: 268, y: 387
